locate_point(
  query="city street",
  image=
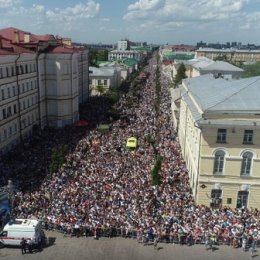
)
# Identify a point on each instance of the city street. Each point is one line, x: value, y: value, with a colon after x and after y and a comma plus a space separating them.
x: 66, y: 248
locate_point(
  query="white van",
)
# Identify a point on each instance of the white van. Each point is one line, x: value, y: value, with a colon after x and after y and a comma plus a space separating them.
x: 15, y: 230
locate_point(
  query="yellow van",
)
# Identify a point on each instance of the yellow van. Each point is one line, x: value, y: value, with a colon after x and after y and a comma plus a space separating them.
x: 131, y: 143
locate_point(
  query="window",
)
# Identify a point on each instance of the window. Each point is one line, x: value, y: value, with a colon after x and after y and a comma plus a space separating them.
x: 21, y: 69
x: 1, y: 73
x: 242, y: 198
x: 13, y: 72
x: 15, y: 109
x: 222, y: 136
x: 7, y: 72
x: 4, y: 114
x: 246, y: 164
x: 105, y: 82
x: 23, y: 87
x: 215, y: 198
x: 99, y: 82
x: 9, y: 111
x: 14, y: 92
x: 219, y: 162
x: 248, y: 137
x: 3, y: 94
x: 4, y: 234
x: 8, y: 92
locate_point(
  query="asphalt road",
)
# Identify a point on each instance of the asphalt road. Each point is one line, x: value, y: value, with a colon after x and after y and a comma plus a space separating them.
x: 66, y: 248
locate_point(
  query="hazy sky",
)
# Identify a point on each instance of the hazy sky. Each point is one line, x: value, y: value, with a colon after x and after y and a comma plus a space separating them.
x: 153, y: 21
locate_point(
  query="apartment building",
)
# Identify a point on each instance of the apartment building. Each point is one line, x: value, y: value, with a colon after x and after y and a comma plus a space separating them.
x: 219, y: 133
x: 234, y: 55
x: 42, y: 83
x: 123, y: 45
x: 18, y: 94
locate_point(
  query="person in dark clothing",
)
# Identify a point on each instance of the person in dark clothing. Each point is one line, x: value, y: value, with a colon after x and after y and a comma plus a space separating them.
x: 23, y: 246
x: 30, y: 246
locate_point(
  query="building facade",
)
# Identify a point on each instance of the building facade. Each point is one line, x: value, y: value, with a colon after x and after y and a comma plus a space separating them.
x: 102, y: 79
x: 130, y: 54
x: 234, y: 55
x: 219, y: 133
x: 42, y: 83
x: 123, y: 45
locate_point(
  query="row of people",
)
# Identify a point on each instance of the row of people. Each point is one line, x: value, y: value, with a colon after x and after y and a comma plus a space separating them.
x: 102, y: 184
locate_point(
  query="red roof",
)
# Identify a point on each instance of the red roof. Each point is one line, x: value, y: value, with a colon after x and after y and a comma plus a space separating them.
x: 64, y: 49
x: 19, y: 41
x: 17, y: 35
x: 183, y: 47
x: 7, y: 48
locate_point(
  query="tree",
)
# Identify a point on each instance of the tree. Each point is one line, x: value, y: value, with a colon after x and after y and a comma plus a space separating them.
x: 97, y: 55
x: 57, y: 158
x: 180, y: 75
x: 100, y: 89
x: 156, y: 177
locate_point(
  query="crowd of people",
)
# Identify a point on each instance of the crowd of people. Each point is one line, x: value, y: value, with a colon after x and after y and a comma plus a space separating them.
x: 105, y: 189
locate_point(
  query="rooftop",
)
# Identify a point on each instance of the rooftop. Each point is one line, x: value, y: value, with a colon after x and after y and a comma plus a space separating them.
x: 102, y: 72
x: 228, y: 50
x: 217, y: 95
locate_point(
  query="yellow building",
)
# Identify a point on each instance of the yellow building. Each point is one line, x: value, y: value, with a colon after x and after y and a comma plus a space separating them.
x: 235, y: 55
x: 219, y: 133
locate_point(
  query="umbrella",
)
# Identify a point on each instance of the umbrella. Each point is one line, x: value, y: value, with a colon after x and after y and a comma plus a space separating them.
x: 81, y: 123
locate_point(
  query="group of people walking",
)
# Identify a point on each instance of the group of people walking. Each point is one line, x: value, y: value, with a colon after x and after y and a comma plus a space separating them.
x: 103, y: 189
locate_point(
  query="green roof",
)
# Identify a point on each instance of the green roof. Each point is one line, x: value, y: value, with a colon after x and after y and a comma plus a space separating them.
x: 129, y: 62
x: 178, y: 56
x: 126, y: 61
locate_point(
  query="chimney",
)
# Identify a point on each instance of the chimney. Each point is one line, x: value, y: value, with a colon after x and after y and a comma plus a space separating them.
x: 27, y: 37
x: 16, y: 37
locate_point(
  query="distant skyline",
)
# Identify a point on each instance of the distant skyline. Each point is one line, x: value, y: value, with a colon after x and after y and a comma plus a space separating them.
x: 152, y: 21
